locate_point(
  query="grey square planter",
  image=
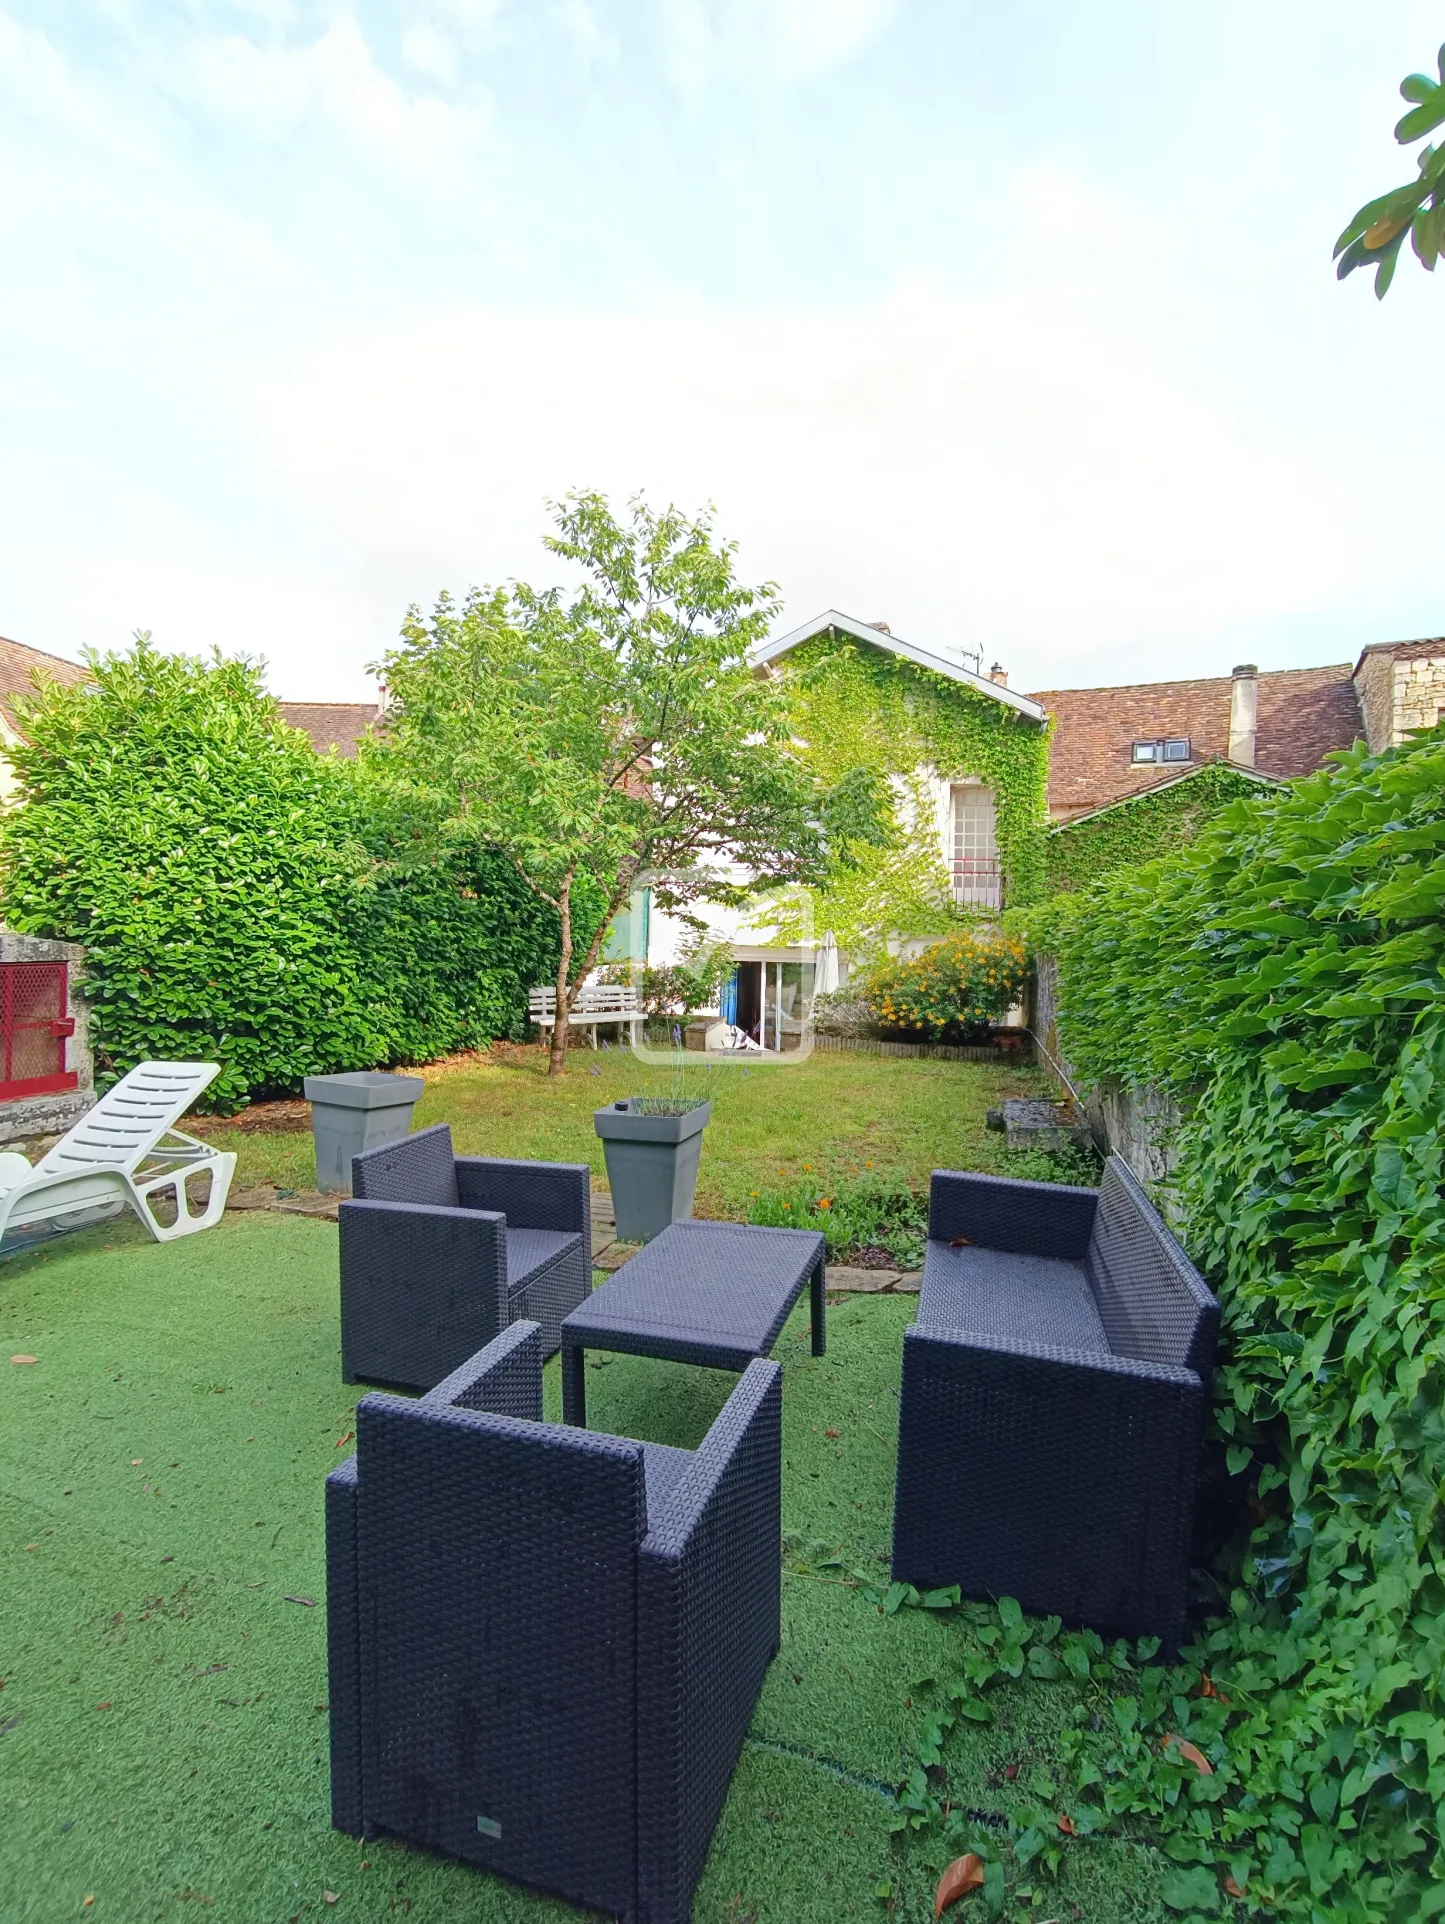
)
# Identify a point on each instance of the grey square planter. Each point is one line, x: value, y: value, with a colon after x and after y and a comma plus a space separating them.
x: 355, y: 1112
x: 651, y: 1165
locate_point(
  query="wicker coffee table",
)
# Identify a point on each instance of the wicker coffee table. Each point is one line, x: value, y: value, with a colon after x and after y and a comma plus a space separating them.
x: 709, y: 1293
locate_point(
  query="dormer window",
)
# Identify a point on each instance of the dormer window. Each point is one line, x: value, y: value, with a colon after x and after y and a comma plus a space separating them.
x: 1168, y: 750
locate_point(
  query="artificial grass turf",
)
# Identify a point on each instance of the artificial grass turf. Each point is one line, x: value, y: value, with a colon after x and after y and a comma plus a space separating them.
x: 162, y: 1722
x: 899, y: 1113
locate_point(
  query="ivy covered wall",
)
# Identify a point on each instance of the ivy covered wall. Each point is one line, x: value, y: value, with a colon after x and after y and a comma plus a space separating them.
x: 1142, y: 827
x: 860, y: 708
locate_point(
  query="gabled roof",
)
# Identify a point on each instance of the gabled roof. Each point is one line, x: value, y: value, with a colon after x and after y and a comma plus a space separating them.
x: 1303, y: 713
x: 331, y: 724
x: 1166, y: 781
x: 1403, y: 650
x: 18, y: 663
x: 880, y: 638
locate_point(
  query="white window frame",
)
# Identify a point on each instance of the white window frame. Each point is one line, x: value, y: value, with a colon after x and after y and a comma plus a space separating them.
x: 977, y: 879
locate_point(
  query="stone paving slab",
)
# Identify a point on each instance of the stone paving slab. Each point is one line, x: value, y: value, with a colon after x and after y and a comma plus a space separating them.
x: 871, y: 1281
x: 615, y: 1256
x: 294, y: 1202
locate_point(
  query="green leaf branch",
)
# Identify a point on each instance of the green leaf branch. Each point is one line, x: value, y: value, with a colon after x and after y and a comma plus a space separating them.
x: 1378, y: 231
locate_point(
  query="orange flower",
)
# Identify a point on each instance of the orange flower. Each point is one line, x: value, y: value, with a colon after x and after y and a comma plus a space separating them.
x: 787, y: 1205
x: 824, y: 1203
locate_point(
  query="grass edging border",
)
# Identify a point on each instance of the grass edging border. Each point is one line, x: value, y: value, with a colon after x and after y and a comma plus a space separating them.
x: 937, y: 1051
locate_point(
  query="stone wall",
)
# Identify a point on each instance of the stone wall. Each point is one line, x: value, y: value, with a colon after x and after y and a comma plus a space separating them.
x: 33, y: 1116
x: 1400, y: 688
x: 1137, y: 1124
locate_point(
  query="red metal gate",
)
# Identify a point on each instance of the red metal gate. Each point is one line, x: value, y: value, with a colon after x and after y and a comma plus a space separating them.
x: 35, y: 1020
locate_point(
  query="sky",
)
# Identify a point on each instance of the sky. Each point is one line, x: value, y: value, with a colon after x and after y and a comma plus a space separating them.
x: 1014, y: 326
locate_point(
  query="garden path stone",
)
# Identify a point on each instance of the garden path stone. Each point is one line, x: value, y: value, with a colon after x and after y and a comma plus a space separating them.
x: 840, y: 1276
x: 616, y: 1256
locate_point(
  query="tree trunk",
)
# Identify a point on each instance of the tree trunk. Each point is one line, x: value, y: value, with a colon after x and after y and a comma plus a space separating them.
x: 557, y: 1061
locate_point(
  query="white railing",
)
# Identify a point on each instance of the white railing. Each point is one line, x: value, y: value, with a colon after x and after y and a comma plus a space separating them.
x: 977, y: 883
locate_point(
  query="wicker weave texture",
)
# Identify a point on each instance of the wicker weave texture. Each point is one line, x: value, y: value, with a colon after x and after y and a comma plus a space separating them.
x: 1060, y: 1478
x: 714, y: 1294
x: 419, y: 1168
x: 709, y: 1603
x: 422, y: 1288
x: 426, y: 1282
x: 545, y: 1645
x: 499, y: 1562
x: 999, y: 1212
x: 534, y: 1195
x: 1153, y: 1301
x: 343, y: 1649
x: 1050, y: 1425
x: 505, y: 1378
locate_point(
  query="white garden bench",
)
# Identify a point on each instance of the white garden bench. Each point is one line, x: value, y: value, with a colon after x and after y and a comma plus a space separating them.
x: 598, y: 1002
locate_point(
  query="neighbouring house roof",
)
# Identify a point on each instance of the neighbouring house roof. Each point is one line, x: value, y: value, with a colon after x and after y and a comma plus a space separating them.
x: 1156, y: 787
x: 331, y: 724
x: 1303, y: 713
x: 19, y: 664
x: 892, y: 644
x: 1403, y: 650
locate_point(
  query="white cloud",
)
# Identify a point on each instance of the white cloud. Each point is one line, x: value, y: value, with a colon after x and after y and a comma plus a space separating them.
x: 764, y: 40
x: 1002, y: 474
x: 334, y: 83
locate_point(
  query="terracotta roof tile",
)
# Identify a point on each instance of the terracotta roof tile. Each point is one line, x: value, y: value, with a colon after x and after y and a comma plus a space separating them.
x: 1303, y: 713
x: 331, y: 724
x: 18, y: 664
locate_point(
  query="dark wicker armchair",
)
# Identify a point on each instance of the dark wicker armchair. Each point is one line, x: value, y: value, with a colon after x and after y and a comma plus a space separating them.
x: 440, y: 1252
x: 1055, y: 1385
x: 545, y: 1644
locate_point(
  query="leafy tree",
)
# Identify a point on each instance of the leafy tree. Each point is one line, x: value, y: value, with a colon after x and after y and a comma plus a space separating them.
x: 1376, y: 234
x: 590, y: 739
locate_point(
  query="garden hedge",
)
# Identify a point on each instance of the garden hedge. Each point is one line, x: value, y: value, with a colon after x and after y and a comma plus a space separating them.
x: 241, y: 898
x: 1284, y: 977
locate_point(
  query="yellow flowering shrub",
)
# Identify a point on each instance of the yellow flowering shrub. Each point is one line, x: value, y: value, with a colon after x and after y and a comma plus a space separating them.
x: 954, y: 989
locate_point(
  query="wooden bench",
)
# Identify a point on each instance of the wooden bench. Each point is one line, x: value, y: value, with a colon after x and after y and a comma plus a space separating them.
x: 601, y: 1002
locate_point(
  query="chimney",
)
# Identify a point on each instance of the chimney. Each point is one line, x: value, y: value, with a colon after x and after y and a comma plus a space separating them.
x: 998, y: 674
x: 1243, y: 707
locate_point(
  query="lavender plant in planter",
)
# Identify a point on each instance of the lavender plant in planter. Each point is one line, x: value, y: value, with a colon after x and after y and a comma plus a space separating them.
x: 653, y: 1145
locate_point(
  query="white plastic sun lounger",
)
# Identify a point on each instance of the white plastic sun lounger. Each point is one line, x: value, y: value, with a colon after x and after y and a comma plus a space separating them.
x: 126, y: 1151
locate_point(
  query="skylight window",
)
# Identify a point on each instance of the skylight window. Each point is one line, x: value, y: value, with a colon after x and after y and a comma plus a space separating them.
x: 1171, y: 749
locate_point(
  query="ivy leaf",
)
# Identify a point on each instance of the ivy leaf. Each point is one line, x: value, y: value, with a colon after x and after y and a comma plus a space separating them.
x: 1191, y: 1889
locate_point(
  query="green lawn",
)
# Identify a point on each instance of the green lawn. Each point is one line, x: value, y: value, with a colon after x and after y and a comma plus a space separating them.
x: 908, y: 1114
x: 162, y: 1722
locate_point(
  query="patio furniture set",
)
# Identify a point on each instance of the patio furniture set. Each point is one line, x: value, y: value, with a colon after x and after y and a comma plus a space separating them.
x: 545, y: 1643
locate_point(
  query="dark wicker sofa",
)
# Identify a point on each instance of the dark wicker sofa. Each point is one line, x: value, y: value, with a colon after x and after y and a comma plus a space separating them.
x: 545, y: 1644
x: 1055, y: 1384
x: 440, y: 1252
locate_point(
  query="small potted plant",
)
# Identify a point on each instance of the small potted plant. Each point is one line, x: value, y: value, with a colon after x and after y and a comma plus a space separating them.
x: 653, y: 1145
